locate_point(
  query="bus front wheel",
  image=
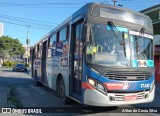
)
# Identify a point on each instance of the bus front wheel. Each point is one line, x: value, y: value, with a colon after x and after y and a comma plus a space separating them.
x: 61, y: 92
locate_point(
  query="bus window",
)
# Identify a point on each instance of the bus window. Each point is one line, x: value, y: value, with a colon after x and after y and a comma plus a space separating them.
x: 67, y: 33
x: 53, y: 44
x: 62, y: 35
x: 49, y: 42
x: 62, y: 42
x: 38, y: 51
x: 65, y: 43
x: 65, y: 48
x: 52, y: 40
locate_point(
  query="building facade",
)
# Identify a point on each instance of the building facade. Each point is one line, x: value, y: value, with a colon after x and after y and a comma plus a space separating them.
x: 27, y: 53
x: 1, y: 29
x: 154, y: 13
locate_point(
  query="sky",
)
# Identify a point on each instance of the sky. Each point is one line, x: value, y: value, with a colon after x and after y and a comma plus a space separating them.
x: 33, y: 19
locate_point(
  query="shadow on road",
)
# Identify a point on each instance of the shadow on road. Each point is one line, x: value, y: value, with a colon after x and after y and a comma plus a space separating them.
x: 13, y: 71
x: 46, y: 99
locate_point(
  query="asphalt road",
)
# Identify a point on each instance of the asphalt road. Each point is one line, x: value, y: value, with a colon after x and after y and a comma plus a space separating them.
x: 27, y: 94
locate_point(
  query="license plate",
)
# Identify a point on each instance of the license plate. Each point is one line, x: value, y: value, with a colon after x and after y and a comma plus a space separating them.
x: 130, y: 98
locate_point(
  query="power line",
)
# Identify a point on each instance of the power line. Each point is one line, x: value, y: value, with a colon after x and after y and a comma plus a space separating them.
x: 24, y: 25
x: 131, y: 1
x: 26, y: 19
x: 34, y: 23
x: 134, y: 0
x: 123, y: 1
x: 23, y: 21
x: 64, y: 3
x: 49, y: 3
x: 62, y: 6
x: 39, y: 4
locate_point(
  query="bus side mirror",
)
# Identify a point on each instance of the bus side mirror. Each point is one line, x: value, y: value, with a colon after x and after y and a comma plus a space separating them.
x: 84, y: 32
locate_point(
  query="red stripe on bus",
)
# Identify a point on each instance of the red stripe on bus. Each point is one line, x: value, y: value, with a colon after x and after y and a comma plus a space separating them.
x: 115, y: 86
x: 86, y: 85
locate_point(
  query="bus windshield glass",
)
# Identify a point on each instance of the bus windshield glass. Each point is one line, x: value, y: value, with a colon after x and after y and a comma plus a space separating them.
x: 141, y: 48
x: 104, y: 48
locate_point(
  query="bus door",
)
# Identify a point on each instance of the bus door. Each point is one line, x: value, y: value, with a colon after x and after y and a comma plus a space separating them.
x: 76, y: 61
x: 43, y: 62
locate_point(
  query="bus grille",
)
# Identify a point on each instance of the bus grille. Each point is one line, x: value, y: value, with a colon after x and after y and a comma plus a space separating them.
x: 120, y: 97
x: 128, y: 76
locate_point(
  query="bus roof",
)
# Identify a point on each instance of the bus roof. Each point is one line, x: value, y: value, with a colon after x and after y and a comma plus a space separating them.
x: 84, y: 11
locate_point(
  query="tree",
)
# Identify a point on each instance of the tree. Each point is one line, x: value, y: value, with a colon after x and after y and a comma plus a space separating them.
x: 10, y: 47
x: 4, y: 54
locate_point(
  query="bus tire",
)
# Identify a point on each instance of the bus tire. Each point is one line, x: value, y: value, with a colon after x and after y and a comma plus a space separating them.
x: 36, y: 78
x: 61, y: 92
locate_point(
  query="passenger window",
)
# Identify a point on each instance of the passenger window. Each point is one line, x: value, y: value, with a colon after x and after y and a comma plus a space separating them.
x: 62, y: 42
x: 63, y: 35
x: 38, y: 51
x: 36, y: 55
x: 52, y: 40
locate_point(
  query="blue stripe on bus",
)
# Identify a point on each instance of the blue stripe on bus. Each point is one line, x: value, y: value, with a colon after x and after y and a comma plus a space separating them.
x: 134, y: 85
x: 119, y: 28
x: 91, y: 73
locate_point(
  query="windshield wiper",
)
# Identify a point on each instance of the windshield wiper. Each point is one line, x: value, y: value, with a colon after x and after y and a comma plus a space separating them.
x: 117, y: 35
x: 137, y: 46
x: 142, y: 31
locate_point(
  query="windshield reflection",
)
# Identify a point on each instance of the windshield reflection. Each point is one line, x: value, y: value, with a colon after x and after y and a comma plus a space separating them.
x: 141, y: 48
x: 104, y: 48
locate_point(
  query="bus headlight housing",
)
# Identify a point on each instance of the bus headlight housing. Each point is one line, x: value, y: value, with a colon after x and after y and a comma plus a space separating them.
x: 91, y: 82
x: 100, y: 87
x: 152, y: 86
x: 97, y: 85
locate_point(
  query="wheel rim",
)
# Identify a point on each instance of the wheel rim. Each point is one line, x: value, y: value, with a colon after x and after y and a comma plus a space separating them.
x: 62, y: 89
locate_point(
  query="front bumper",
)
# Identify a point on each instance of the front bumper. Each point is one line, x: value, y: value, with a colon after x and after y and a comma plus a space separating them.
x: 96, y: 98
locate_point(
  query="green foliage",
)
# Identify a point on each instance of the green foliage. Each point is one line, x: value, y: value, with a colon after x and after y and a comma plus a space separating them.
x: 8, y: 63
x: 22, y: 63
x: 10, y: 47
x: 14, y: 100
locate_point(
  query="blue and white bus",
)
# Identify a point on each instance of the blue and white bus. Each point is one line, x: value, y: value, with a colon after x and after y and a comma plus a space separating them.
x: 102, y: 55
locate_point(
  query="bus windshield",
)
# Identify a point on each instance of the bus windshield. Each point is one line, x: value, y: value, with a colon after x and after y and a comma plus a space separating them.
x: 141, y: 48
x: 104, y: 48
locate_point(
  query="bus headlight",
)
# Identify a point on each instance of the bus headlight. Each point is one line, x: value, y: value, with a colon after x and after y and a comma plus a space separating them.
x: 100, y: 87
x: 97, y: 85
x: 152, y: 86
x: 91, y: 82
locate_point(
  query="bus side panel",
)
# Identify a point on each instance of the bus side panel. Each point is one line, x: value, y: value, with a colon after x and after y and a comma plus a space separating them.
x: 36, y: 70
x: 54, y: 68
x: 51, y: 74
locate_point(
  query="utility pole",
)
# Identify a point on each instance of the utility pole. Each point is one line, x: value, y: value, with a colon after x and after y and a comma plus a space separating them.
x: 114, y: 2
x: 27, y: 41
